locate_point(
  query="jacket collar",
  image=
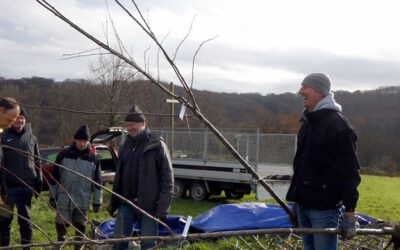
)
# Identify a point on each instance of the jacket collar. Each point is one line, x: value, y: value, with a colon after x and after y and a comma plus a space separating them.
x: 328, y: 102
x: 149, y: 140
x: 26, y: 129
x: 316, y: 116
x: 87, y: 150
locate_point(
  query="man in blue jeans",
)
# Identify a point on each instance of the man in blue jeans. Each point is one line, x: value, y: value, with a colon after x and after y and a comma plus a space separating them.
x: 143, y: 176
x: 326, y: 168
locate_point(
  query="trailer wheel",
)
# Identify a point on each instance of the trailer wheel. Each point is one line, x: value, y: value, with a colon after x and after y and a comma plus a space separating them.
x: 198, y: 191
x: 233, y: 195
x: 179, y: 189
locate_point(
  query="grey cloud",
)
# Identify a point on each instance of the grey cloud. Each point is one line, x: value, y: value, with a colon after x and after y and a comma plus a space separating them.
x: 347, y: 72
x: 361, y: 71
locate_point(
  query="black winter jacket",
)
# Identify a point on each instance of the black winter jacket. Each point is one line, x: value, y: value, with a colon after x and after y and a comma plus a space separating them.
x: 155, y: 178
x: 25, y: 167
x: 326, y: 168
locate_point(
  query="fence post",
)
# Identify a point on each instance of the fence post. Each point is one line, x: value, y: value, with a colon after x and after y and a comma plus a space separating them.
x: 205, y: 145
x: 172, y: 122
x: 247, y: 148
x: 257, y: 149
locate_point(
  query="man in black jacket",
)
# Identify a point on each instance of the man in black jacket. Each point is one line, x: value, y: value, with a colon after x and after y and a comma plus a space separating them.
x: 326, y: 168
x: 143, y: 176
x: 23, y: 176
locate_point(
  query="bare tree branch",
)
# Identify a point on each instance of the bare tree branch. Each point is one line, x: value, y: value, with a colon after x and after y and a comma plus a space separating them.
x: 192, y: 106
x: 90, y: 112
x: 84, y: 55
x: 216, y: 235
x: 80, y: 53
x: 146, y: 60
x: 158, y: 57
x: 116, y: 35
x: 184, y: 39
x: 194, y: 58
x: 148, y: 31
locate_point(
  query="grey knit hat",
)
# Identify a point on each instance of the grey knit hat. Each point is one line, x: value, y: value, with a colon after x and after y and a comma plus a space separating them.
x: 320, y: 82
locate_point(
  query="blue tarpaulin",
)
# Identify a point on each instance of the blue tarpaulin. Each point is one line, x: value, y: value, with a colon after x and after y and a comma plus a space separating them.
x: 244, y: 216
x: 228, y: 217
x: 176, y: 223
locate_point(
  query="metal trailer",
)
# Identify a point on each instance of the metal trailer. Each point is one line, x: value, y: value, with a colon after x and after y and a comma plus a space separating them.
x: 203, y: 166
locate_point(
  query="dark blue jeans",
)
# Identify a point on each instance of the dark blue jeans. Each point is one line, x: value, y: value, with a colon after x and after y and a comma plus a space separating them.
x: 311, y: 218
x: 126, y: 218
x: 21, y: 197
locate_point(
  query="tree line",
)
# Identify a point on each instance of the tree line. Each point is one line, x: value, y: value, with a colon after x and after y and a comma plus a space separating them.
x: 374, y: 113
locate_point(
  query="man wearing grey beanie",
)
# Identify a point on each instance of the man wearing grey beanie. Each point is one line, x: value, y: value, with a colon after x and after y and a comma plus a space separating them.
x: 326, y: 168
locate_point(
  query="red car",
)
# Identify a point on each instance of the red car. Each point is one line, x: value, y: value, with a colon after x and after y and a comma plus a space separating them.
x: 103, y: 144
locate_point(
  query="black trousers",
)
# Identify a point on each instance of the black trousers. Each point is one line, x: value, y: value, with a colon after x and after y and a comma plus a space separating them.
x: 20, y: 197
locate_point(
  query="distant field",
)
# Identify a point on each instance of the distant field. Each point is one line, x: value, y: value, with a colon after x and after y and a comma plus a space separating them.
x: 379, y: 197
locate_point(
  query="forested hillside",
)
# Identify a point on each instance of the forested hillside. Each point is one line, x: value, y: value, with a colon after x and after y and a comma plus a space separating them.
x: 375, y: 114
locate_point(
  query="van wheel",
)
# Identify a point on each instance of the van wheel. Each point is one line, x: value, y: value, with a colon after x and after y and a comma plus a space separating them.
x: 198, y: 191
x: 179, y: 189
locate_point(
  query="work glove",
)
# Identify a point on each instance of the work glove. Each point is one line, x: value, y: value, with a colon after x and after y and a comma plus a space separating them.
x: 111, y: 210
x: 347, y: 226
x: 96, y: 208
x: 53, y: 203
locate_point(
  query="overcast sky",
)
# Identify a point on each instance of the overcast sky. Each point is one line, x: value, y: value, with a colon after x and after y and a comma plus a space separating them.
x: 261, y: 46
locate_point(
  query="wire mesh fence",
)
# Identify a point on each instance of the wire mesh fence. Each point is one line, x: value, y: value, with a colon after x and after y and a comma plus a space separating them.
x: 255, y: 147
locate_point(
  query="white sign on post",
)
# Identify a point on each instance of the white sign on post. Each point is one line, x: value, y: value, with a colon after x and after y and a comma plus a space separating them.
x: 182, y: 112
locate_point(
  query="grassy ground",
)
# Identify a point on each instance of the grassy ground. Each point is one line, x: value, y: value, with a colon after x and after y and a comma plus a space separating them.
x: 378, y: 198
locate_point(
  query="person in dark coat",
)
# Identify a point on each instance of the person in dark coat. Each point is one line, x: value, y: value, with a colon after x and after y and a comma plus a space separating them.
x: 23, y: 177
x: 144, y: 176
x: 326, y: 168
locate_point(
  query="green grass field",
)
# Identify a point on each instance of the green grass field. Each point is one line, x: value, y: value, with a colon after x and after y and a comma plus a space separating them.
x: 378, y: 198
